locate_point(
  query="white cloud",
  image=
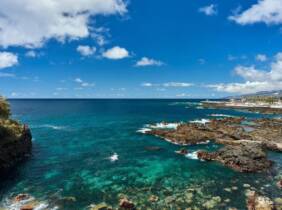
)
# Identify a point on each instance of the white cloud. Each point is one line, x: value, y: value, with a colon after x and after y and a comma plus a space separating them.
x: 168, y: 84
x: 85, y: 50
x: 8, y: 59
x: 251, y: 73
x: 209, y: 10
x: 116, y: 53
x: 148, y: 62
x: 83, y: 84
x: 78, y: 80
x: 177, y: 84
x: 30, y: 23
x: 255, y: 80
x: 61, y: 88
x: 233, y: 58
x: 261, y: 57
x: 6, y: 74
x: 266, y: 11
x: 100, y: 35
x: 147, y: 84
x: 201, y: 61
x: 183, y: 95
x: 31, y: 54
x: 14, y: 94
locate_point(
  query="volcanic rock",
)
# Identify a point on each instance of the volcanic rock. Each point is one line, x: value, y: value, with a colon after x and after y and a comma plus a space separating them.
x: 243, y: 158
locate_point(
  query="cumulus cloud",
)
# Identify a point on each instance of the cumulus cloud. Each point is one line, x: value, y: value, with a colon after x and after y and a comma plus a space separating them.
x: 116, y: 53
x: 255, y: 79
x: 85, y: 50
x: 8, y: 59
x: 30, y: 23
x: 168, y: 84
x: 209, y: 10
x: 148, y: 62
x: 83, y: 84
x: 261, y: 57
x: 265, y: 11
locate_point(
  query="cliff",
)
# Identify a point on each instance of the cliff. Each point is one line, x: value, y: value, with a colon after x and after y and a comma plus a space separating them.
x: 15, y: 140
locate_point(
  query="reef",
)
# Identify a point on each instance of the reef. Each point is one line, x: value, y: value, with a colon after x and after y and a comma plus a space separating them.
x: 245, y: 141
x: 15, y: 140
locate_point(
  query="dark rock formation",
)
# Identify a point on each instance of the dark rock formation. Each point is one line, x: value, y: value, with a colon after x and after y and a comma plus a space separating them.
x: 15, y: 140
x: 182, y: 151
x: 244, y: 148
x: 243, y: 157
x: 13, y: 148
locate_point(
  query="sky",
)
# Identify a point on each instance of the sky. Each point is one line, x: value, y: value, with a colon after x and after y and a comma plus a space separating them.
x: 139, y: 48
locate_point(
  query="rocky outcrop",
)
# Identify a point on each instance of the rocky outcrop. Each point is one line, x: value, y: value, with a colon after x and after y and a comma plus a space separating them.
x: 14, y: 148
x: 245, y: 141
x: 15, y: 141
x: 243, y: 158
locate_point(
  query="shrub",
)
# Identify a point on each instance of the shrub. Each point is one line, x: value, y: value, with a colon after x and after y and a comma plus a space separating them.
x: 4, y: 109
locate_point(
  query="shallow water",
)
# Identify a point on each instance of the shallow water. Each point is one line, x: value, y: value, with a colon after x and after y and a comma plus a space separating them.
x: 73, y: 141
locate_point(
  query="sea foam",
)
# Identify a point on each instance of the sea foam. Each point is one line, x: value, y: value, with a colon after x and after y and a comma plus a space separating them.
x: 202, y: 121
x: 192, y: 155
x: 220, y: 115
x: 161, y: 125
x: 54, y: 127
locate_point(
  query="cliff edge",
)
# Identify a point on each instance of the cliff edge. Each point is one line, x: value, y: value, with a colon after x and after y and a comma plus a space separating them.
x: 15, y: 140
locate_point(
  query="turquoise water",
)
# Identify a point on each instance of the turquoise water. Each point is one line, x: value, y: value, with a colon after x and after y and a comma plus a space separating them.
x: 73, y: 140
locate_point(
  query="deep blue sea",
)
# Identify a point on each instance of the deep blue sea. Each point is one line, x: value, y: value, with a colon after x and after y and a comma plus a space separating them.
x: 73, y: 141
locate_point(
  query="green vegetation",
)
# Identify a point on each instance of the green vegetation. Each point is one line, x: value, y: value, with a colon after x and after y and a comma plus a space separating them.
x: 4, y: 109
x: 9, y: 129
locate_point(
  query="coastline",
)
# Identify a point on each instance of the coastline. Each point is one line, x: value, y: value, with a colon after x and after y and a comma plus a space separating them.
x: 252, y: 107
x: 72, y: 169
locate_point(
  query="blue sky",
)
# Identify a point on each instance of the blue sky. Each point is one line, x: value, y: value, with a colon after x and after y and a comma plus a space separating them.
x: 139, y: 49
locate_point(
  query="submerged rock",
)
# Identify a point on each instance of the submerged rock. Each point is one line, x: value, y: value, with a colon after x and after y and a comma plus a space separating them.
x: 100, y: 206
x: 278, y: 203
x: 257, y: 202
x: 153, y: 198
x: 279, y: 184
x: 210, y: 204
x: 126, y: 204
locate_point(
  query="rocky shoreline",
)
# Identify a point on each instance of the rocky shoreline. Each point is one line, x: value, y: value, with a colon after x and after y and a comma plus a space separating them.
x: 246, y: 141
x: 15, y: 141
x: 224, y: 105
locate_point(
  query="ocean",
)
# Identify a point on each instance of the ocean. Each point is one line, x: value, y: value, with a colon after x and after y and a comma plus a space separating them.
x: 92, y: 151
